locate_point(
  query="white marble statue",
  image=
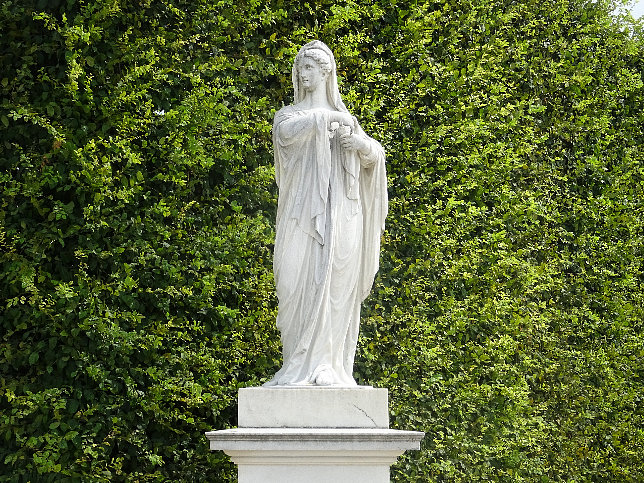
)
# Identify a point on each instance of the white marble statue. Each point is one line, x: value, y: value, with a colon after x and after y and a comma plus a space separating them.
x: 330, y: 217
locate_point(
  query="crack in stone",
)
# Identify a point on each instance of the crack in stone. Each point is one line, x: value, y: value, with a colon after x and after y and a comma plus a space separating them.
x: 365, y: 413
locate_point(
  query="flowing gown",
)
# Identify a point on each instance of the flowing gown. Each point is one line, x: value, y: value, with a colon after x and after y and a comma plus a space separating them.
x: 331, y: 211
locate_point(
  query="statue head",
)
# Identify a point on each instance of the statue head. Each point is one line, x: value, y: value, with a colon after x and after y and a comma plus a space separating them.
x: 323, y: 57
x: 319, y: 56
x: 313, y: 67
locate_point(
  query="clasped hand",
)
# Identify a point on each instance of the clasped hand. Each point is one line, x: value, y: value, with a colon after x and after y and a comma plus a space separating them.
x: 352, y: 142
x: 348, y: 139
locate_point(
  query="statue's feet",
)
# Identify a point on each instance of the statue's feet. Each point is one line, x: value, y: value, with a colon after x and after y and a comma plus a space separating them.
x: 324, y: 376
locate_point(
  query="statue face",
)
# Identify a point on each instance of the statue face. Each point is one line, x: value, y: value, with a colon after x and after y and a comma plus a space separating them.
x: 311, y: 74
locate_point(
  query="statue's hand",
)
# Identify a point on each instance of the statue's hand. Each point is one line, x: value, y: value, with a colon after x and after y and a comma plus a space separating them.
x: 343, y: 118
x: 353, y: 142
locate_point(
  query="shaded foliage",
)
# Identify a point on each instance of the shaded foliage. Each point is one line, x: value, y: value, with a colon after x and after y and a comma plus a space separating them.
x: 137, y: 217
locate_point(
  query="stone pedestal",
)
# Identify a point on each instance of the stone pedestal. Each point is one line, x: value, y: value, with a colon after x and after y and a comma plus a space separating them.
x: 313, y: 434
x: 312, y: 407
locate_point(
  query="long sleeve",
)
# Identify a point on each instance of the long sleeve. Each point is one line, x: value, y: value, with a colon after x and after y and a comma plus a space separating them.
x: 303, y: 167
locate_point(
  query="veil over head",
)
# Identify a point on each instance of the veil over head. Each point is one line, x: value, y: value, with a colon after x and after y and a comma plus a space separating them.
x: 332, y: 91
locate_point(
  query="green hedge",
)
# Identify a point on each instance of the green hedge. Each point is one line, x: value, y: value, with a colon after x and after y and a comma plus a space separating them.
x: 137, y: 218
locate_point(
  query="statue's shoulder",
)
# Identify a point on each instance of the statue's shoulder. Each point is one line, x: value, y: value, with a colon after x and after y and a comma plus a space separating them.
x: 286, y: 110
x: 284, y: 113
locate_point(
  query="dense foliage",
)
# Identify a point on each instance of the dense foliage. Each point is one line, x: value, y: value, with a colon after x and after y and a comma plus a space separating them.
x: 137, y: 217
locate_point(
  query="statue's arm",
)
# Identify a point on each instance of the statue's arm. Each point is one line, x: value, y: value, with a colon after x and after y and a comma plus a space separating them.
x: 342, y: 118
x: 289, y: 125
x: 370, y: 152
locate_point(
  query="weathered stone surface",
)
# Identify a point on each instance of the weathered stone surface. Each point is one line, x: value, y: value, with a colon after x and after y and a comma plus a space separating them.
x: 313, y: 407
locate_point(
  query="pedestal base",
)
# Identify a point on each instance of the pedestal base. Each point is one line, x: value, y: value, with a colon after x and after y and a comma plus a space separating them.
x: 313, y: 434
x: 314, y: 454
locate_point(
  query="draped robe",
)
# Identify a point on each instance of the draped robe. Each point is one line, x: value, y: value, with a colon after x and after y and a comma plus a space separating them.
x: 331, y: 211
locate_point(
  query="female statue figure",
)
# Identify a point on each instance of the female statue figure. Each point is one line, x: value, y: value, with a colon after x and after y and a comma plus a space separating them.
x: 330, y: 217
